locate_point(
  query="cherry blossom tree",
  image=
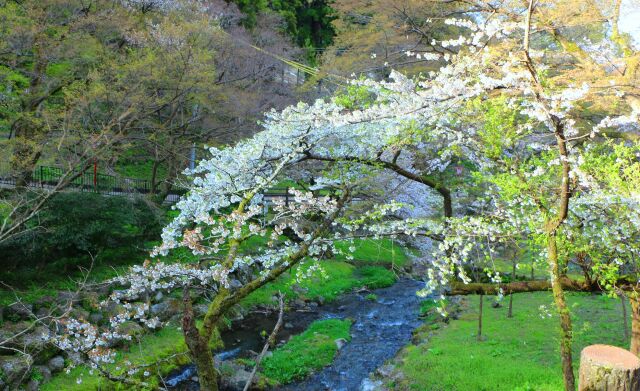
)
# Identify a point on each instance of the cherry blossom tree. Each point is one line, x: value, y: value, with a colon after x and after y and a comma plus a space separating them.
x: 526, y: 136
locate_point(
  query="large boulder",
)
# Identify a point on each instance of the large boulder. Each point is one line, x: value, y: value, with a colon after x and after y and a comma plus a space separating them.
x: 67, y: 298
x: 18, y: 311
x: 23, y: 336
x: 234, y: 376
x: 56, y: 364
x: 14, y: 369
x: 166, y: 309
x: 608, y: 368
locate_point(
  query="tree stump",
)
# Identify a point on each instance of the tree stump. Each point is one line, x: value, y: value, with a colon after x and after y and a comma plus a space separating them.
x: 608, y: 368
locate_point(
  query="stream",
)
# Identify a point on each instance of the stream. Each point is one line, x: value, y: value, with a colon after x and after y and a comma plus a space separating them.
x: 380, y: 328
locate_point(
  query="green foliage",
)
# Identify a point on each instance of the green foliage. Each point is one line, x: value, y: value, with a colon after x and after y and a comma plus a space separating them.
x: 353, y: 97
x: 371, y: 297
x: 499, y: 131
x: 427, y: 306
x: 36, y: 375
x: 615, y: 164
x: 306, y: 352
x: 309, y: 22
x: 77, y: 225
x: 520, y: 353
x: 135, y: 163
x: 339, y: 279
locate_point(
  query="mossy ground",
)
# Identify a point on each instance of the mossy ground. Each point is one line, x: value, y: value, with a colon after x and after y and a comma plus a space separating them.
x: 164, y: 349
x: 306, y: 352
x: 521, y: 353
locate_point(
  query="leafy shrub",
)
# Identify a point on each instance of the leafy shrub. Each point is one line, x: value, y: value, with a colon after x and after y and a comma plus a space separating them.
x: 74, y: 227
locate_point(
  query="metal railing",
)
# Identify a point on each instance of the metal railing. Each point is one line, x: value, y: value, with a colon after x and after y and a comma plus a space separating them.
x: 90, y: 181
x: 87, y: 181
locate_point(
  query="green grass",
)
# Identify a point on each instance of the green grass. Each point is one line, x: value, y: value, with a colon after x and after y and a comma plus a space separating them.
x: 151, y: 348
x: 374, y: 251
x: 521, y: 353
x: 306, y: 352
x: 339, y: 277
x: 140, y: 169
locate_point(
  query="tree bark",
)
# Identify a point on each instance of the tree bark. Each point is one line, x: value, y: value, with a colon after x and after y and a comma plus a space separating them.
x: 154, y: 175
x: 198, y: 347
x: 635, y: 325
x: 608, y: 368
x: 625, y: 317
x: 475, y: 288
x: 565, y: 316
x: 513, y: 278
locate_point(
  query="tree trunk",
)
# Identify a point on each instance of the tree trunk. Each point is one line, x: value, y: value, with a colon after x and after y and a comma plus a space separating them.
x: 165, y: 187
x: 513, y: 278
x: 635, y: 325
x: 447, y: 203
x: 198, y: 347
x: 608, y: 368
x: 625, y: 318
x: 203, y: 359
x: 510, y: 312
x: 563, y: 312
x: 154, y: 176
x: 533, y: 277
x: 479, y: 337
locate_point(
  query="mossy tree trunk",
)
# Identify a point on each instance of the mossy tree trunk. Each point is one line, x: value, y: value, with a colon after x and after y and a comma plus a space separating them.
x: 635, y: 324
x: 198, y: 347
x: 563, y: 312
x: 625, y: 317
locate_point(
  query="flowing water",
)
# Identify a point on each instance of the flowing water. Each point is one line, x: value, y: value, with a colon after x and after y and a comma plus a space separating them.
x: 380, y: 328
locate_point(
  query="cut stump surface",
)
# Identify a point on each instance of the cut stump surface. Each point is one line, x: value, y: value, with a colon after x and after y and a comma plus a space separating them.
x: 608, y: 368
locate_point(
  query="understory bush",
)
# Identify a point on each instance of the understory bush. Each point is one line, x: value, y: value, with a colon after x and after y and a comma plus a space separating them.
x: 73, y: 229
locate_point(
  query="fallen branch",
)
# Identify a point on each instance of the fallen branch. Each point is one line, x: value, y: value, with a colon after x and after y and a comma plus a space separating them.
x: 270, y: 341
x: 459, y: 288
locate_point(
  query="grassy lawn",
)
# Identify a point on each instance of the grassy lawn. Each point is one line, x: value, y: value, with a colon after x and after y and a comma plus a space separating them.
x: 336, y: 278
x: 520, y: 353
x: 371, y: 251
x: 306, y: 352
